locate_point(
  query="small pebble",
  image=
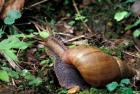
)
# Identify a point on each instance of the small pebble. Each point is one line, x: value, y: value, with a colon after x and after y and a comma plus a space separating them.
x: 74, y: 90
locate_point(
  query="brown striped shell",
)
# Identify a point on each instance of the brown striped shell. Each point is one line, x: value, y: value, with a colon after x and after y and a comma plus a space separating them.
x: 96, y: 67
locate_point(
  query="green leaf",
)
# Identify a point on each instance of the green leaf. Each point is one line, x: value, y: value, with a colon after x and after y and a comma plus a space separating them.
x: 125, y: 81
x: 129, y: 1
x: 13, y: 74
x: 36, y: 81
x: 9, y: 54
x: 11, y: 16
x: 4, y: 76
x: 126, y: 90
x: 9, y: 20
x: 133, y: 25
x: 72, y: 46
x: 121, y: 15
x: 7, y: 46
x: 1, y: 33
x: 44, y: 34
x: 15, y: 14
x: 112, y: 86
x: 43, y: 62
x: 13, y: 42
x: 136, y: 33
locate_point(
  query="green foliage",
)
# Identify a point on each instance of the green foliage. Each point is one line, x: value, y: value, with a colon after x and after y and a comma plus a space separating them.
x: 7, y: 47
x: 120, y: 15
x: 129, y: 1
x: 11, y: 16
x: 112, y: 86
x: 71, y: 46
x: 93, y: 91
x: 47, y: 61
x: 62, y: 91
x: 125, y: 81
x: 106, y: 50
x: 71, y: 23
x: 118, y: 50
x: 4, y: 76
x: 137, y: 22
x: 122, y: 86
x: 1, y: 33
x: 33, y: 81
x: 126, y: 90
x: 11, y: 73
x: 136, y: 33
x: 79, y: 17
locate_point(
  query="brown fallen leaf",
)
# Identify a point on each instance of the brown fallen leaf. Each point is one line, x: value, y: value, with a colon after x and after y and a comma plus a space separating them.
x: 11, y: 5
x: 6, y: 89
x: 1, y: 4
x: 62, y: 26
x: 85, y: 3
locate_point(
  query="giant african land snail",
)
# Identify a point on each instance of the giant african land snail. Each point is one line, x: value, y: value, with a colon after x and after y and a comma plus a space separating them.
x: 96, y: 67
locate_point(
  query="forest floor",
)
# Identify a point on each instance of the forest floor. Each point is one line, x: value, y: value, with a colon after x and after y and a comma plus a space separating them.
x: 91, y: 22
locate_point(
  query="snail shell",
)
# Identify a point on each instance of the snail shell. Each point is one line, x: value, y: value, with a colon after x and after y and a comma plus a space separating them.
x: 96, y: 67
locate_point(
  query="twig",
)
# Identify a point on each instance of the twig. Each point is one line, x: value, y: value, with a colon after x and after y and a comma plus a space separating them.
x: 75, y: 6
x: 75, y: 38
x: 131, y: 54
x: 64, y: 34
x: 38, y: 3
x: 137, y: 48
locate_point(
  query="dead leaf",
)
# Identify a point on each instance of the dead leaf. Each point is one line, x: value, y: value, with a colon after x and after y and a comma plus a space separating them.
x: 85, y: 3
x: 62, y: 26
x: 1, y: 4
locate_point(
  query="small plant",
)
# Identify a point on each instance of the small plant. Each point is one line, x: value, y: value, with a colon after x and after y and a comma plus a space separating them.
x: 121, y: 15
x: 33, y: 81
x: 8, y: 46
x: 4, y: 76
x: 92, y: 91
x: 122, y: 87
x: 47, y: 61
x: 136, y: 33
x: 136, y: 23
x: 61, y: 91
x: 7, y: 73
x: 79, y: 17
x: 12, y: 15
x: 1, y: 32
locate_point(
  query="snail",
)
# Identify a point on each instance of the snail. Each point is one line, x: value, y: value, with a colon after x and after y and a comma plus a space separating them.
x: 94, y: 66
x: 11, y: 5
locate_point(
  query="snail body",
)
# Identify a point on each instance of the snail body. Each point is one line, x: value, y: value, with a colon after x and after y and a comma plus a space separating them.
x: 96, y: 68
